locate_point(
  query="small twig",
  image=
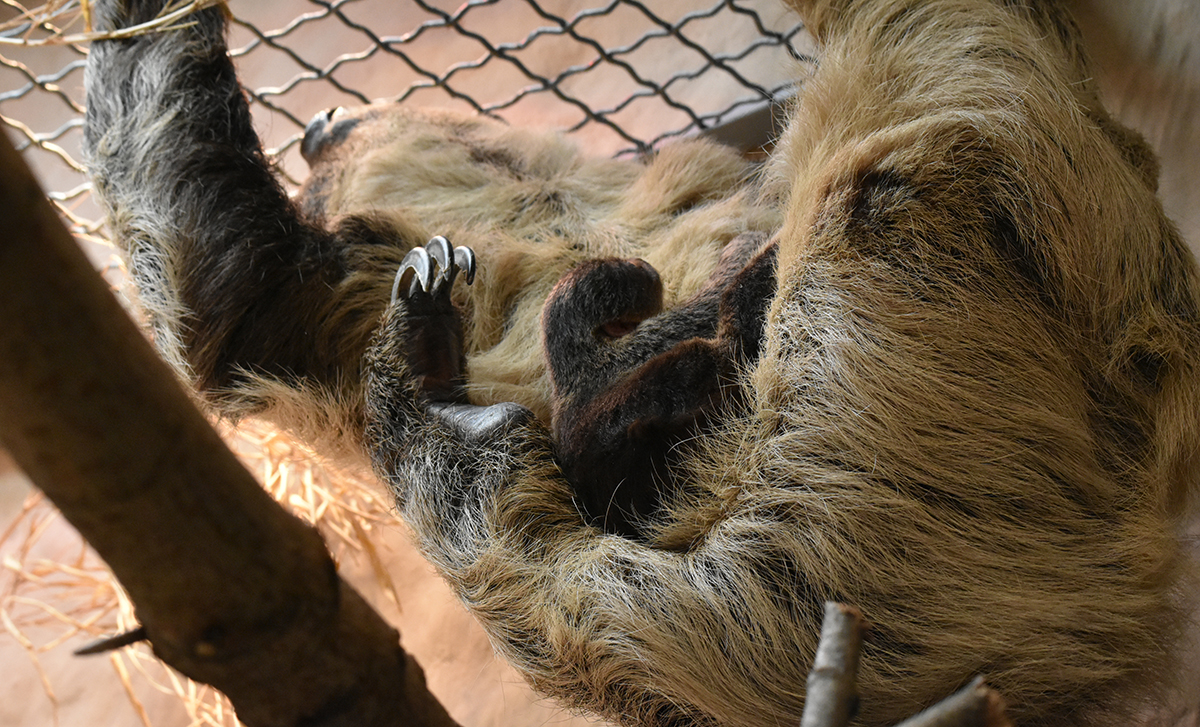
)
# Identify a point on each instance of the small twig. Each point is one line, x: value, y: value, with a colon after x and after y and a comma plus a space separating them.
x: 975, y: 705
x: 165, y: 21
x: 832, y: 698
x: 832, y: 684
x: 112, y: 643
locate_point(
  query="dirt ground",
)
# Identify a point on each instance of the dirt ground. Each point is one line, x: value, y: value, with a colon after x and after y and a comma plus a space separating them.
x: 1149, y: 61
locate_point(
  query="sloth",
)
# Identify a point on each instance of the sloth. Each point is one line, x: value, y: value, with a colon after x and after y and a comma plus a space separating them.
x: 959, y: 391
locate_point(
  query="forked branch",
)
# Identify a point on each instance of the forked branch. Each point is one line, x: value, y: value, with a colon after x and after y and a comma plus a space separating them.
x: 832, y: 697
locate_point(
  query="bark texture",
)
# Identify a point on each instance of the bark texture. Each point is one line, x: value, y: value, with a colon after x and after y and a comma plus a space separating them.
x: 232, y: 590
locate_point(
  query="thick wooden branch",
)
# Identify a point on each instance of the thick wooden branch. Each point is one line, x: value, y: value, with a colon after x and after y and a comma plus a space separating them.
x: 232, y: 590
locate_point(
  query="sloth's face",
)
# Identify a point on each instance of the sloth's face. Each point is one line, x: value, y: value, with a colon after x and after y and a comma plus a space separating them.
x: 340, y: 134
x: 340, y: 144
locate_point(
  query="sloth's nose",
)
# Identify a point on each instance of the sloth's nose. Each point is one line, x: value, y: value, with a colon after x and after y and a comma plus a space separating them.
x: 314, y: 134
x: 325, y: 130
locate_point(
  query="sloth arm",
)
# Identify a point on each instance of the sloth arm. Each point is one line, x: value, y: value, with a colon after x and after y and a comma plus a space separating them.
x: 460, y: 475
x: 236, y: 284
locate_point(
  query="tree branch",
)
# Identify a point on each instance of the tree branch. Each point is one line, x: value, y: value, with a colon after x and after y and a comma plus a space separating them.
x: 975, y: 705
x: 832, y: 695
x: 232, y: 590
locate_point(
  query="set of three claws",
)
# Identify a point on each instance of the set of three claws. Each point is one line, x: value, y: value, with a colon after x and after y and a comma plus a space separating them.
x: 432, y: 269
x: 429, y: 272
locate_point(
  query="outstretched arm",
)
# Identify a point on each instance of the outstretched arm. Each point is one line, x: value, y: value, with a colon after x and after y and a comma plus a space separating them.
x: 239, y: 289
x: 600, y: 622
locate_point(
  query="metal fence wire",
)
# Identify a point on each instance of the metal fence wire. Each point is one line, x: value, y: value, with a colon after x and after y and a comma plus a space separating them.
x: 622, y: 76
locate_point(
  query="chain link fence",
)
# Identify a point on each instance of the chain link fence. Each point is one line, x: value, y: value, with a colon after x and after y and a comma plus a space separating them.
x: 621, y: 76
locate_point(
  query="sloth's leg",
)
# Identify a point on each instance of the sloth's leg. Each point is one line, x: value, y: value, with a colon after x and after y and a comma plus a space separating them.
x: 239, y: 290
x: 617, y: 416
x: 416, y: 367
x: 492, y: 511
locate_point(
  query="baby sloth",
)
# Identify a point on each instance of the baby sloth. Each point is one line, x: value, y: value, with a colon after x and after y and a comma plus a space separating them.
x: 631, y: 381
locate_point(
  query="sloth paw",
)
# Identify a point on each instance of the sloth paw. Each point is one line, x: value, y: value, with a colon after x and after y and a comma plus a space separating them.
x: 428, y: 273
x: 433, y: 339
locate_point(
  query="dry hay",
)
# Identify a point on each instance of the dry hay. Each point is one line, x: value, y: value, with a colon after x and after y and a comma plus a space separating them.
x: 61, y: 599
x: 61, y: 22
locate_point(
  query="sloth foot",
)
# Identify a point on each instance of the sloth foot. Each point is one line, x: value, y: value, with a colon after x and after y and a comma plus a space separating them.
x: 435, y: 346
x: 431, y: 270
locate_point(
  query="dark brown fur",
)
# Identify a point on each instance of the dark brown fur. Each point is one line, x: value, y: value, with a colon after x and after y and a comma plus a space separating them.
x: 631, y: 382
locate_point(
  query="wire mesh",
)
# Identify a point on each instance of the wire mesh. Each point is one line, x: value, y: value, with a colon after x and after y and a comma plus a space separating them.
x: 621, y: 76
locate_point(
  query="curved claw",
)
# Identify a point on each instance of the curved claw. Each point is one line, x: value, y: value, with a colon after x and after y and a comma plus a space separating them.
x: 464, y: 259
x: 416, y: 262
x: 480, y: 422
x: 439, y: 250
x: 420, y: 262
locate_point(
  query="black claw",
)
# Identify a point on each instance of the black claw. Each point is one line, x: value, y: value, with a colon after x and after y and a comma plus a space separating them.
x: 111, y: 643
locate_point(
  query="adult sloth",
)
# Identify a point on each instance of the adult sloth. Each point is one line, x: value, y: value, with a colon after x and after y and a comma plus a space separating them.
x: 972, y: 412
